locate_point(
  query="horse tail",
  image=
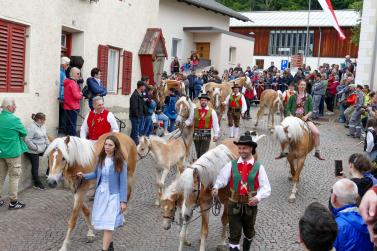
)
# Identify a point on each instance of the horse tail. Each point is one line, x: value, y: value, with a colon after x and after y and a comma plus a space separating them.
x: 280, y: 134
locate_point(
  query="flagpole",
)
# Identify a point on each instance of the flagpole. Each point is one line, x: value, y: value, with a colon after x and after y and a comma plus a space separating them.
x: 307, y: 33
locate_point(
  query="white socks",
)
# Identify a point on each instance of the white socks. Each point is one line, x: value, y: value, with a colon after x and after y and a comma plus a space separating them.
x: 236, y: 132
x: 231, y: 132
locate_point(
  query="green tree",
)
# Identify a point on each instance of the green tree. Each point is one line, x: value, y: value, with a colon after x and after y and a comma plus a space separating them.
x: 358, y: 7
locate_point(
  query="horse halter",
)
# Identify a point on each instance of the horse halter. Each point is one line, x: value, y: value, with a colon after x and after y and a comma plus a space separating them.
x: 172, y: 216
x: 149, y: 150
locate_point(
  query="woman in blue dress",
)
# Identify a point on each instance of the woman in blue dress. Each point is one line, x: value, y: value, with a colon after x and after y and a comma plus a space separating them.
x: 110, y: 199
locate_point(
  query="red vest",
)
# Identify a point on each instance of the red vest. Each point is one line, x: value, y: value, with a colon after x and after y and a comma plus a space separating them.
x: 244, y: 170
x: 203, y: 118
x: 249, y: 93
x: 235, y: 101
x: 98, y: 124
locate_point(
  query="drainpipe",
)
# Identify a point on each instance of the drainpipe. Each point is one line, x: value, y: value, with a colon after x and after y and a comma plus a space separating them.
x: 373, y: 72
x: 319, y: 46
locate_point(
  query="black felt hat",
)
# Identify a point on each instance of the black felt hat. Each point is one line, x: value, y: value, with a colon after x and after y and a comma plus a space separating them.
x: 204, y: 95
x: 247, y: 140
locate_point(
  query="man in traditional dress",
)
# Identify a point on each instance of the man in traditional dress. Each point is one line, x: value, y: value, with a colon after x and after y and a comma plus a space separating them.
x: 237, y: 107
x: 98, y: 122
x: 248, y: 183
x: 204, y: 119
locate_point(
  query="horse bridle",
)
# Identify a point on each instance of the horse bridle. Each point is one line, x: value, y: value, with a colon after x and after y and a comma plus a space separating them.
x: 149, y: 150
x: 172, y: 216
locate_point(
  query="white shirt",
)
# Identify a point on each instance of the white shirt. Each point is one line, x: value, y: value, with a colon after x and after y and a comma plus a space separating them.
x: 264, y: 189
x: 110, y: 118
x: 243, y: 101
x: 370, y: 141
x: 215, y: 121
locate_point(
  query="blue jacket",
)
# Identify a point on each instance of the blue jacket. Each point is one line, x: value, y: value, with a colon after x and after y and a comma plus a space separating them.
x: 61, y: 86
x: 198, y: 84
x: 96, y: 88
x: 353, y: 234
x: 118, y: 181
x: 191, y: 78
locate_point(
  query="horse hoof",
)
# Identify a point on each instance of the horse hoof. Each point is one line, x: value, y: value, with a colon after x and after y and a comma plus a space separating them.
x: 187, y: 243
x: 291, y: 199
x: 90, y: 239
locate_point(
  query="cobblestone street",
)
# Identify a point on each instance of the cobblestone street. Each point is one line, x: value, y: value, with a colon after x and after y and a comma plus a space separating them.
x: 42, y: 224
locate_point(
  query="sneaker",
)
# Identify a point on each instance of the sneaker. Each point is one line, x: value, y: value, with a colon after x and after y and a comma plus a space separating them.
x: 39, y: 186
x: 16, y: 205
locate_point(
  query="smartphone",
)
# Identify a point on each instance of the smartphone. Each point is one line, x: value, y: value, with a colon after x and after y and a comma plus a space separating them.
x: 338, y: 167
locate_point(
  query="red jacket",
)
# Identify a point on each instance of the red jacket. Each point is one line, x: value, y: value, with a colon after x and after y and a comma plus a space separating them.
x: 72, y: 95
x: 332, y: 84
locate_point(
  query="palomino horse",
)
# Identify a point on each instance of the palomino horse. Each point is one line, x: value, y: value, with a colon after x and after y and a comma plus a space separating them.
x: 70, y: 155
x: 272, y: 100
x: 165, y: 86
x: 295, y: 132
x: 166, y: 154
x: 218, y: 94
x: 194, y: 188
x: 184, y: 108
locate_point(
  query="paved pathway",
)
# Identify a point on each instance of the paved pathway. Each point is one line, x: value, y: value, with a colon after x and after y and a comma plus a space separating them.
x: 42, y: 224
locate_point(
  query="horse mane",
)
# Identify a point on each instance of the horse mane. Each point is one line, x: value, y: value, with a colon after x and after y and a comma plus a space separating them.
x: 158, y: 139
x: 77, y: 151
x: 295, y: 127
x: 170, y: 190
x: 184, y: 100
x: 208, y: 166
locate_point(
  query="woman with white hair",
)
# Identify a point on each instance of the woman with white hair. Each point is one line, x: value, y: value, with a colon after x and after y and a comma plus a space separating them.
x: 72, y: 97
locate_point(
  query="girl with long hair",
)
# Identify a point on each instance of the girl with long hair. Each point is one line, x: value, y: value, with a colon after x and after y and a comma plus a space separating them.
x: 110, y: 201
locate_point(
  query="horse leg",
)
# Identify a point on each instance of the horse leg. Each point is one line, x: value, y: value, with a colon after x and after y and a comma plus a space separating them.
x: 86, y: 213
x: 291, y: 161
x: 204, y: 230
x: 224, y: 221
x: 183, y: 237
x: 299, y: 165
x: 259, y: 113
x: 77, y: 205
x: 158, y: 188
x: 273, y: 119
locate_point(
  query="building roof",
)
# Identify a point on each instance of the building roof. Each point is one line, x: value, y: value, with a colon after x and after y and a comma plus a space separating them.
x: 153, y: 43
x: 318, y: 18
x: 215, y: 30
x: 214, y: 6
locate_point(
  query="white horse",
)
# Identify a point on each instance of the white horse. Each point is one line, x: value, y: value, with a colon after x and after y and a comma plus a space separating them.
x: 166, y: 154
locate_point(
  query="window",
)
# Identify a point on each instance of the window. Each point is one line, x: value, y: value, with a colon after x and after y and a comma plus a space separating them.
x: 12, y: 56
x: 260, y: 63
x: 232, y: 55
x: 113, y: 70
x: 175, y: 48
x: 289, y: 42
x: 108, y: 63
x: 66, y: 44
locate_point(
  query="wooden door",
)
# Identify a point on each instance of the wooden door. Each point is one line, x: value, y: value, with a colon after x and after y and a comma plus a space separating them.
x: 203, y: 50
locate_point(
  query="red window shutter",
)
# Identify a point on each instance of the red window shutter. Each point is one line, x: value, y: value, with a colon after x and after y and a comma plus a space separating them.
x: 17, y: 58
x: 127, y: 72
x: 4, y: 48
x: 12, y: 57
x: 103, y: 57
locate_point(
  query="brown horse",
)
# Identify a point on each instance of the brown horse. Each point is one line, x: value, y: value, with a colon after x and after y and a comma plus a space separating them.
x: 70, y: 155
x: 295, y: 133
x: 272, y: 100
x: 218, y: 94
x: 165, y: 86
x: 184, y: 108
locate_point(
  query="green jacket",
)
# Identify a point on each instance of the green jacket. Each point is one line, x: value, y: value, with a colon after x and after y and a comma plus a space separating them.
x: 12, y: 132
x: 291, y: 106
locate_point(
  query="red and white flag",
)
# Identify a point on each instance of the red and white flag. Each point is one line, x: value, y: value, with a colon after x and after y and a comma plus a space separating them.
x: 327, y: 7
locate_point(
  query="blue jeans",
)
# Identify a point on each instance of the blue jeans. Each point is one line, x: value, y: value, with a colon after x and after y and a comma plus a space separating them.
x: 71, y: 122
x: 191, y: 94
x: 148, y: 126
x: 372, y: 155
x: 322, y: 106
x: 162, y: 117
x: 316, y: 104
x: 136, y: 128
x: 342, y: 108
x: 196, y: 93
x: 171, y: 125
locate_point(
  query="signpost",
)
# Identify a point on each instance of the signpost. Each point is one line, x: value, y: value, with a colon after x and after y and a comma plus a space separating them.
x: 284, y: 64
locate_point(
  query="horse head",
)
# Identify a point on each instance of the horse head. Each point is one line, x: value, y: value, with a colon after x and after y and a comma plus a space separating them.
x: 169, y: 203
x: 57, y: 153
x: 183, y: 108
x: 190, y: 180
x: 143, y: 148
x: 216, y: 97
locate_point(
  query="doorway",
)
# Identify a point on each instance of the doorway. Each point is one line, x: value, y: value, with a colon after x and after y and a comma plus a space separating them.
x: 203, y: 49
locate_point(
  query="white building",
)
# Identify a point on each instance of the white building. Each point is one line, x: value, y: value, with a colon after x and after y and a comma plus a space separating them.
x: 367, y: 64
x: 203, y: 26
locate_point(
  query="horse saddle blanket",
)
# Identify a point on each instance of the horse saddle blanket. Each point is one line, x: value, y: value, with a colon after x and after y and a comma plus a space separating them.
x: 202, y: 134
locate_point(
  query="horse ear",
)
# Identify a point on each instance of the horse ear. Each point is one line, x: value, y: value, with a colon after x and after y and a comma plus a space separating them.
x: 67, y: 140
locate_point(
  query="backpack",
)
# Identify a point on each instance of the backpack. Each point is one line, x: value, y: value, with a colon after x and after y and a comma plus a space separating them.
x: 170, y: 108
x: 87, y: 93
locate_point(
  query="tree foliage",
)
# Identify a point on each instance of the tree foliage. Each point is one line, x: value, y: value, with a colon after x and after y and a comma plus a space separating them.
x: 259, y: 5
